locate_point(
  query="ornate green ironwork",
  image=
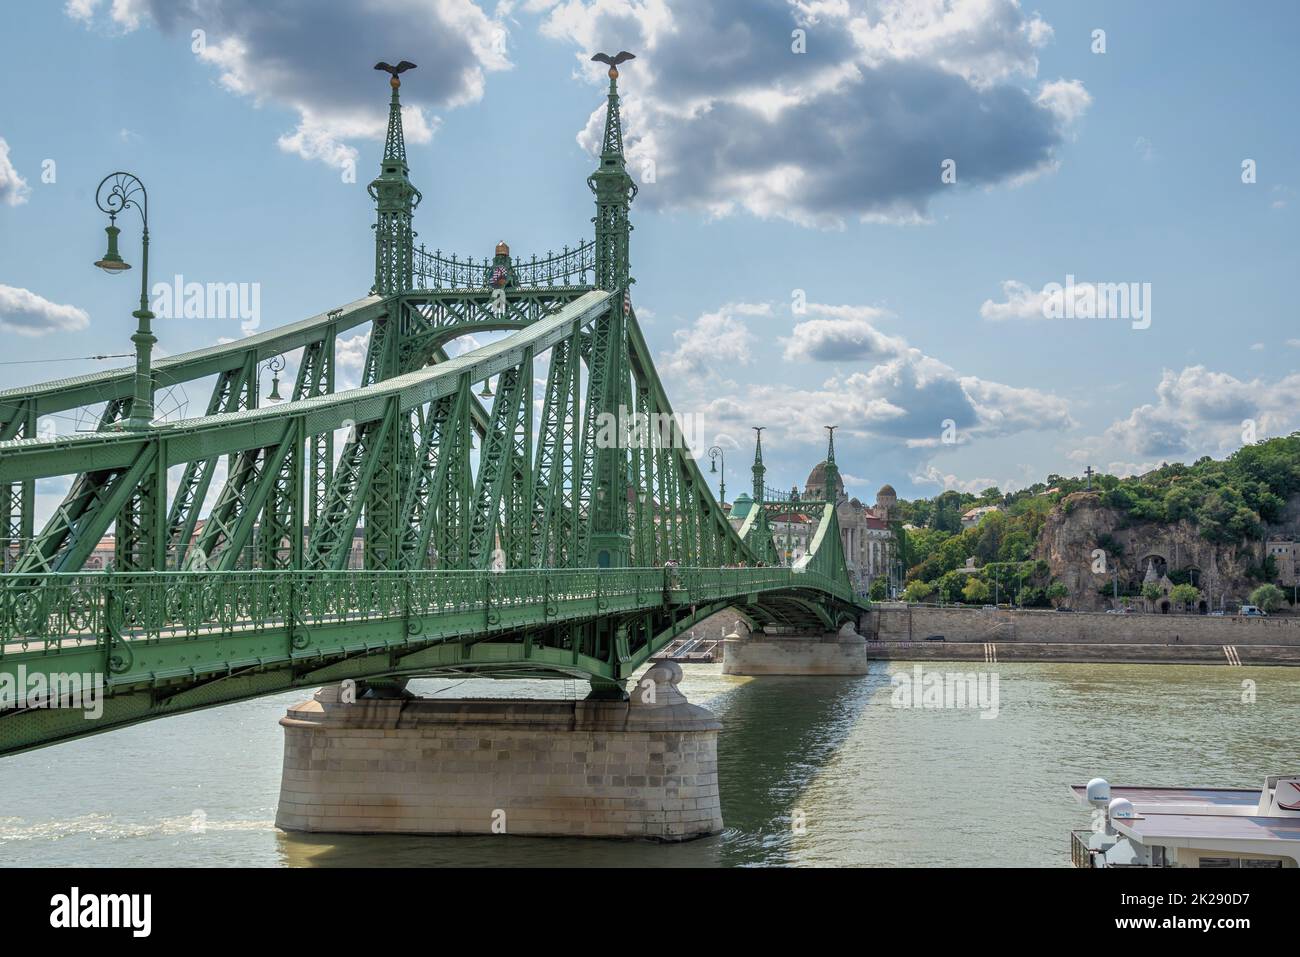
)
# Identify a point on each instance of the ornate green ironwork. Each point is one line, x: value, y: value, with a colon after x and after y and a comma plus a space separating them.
x: 572, y: 540
x: 395, y: 201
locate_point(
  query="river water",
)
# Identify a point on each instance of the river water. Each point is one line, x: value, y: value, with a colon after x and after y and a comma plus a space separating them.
x: 872, y: 783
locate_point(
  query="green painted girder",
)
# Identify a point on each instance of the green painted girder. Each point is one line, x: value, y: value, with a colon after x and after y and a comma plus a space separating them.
x: 170, y: 635
x: 229, y: 433
x: 74, y: 392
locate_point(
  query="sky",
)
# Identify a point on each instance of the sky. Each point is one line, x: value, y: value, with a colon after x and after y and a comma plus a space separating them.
x: 857, y: 213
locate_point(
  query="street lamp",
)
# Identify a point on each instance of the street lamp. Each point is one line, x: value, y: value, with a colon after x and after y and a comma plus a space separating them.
x: 715, y: 453
x: 274, y: 365
x: 117, y: 192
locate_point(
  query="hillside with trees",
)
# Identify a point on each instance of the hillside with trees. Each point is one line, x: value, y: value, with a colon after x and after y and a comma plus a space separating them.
x: 1231, y: 504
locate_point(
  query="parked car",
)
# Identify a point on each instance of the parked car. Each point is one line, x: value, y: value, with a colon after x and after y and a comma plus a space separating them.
x: 1218, y: 614
x: 934, y: 638
x: 1065, y: 609
x: 1253, y: 611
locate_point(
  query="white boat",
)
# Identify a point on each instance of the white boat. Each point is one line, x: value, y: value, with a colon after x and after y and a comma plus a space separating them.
x: 1189, y: 827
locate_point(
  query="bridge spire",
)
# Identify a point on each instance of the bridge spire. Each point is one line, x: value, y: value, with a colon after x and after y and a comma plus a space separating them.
x: 395, y: 200
x: 609, y: 543
x: 759, y: 470
x: 614, y: 189
x: 832, y: 470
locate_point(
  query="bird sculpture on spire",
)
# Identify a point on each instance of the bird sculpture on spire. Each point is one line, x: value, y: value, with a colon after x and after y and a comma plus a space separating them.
x: 621, y: 57
x: 394, y: 70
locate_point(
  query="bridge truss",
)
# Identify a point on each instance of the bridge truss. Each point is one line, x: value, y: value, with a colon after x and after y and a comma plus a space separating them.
x: 563, y: 529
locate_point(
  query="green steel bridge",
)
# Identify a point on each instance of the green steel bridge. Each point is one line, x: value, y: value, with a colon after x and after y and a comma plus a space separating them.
x: 571, y: 536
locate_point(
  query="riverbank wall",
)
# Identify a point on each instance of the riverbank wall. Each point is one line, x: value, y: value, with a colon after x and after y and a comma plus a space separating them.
x: 911, y: 632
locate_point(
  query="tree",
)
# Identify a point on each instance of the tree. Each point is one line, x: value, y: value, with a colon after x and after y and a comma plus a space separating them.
x: 950, y: 586
x: 917, y: 591
x: 879, y: 589
x: 1185, y: 595
x: 976, y: 591
x: 1057, y: 593
x: 1151, y: 592
x: 1268, y: 597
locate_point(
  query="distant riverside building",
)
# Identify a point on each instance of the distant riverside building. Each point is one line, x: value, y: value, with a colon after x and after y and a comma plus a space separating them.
x: 974, y: 516
x: 1286, y: 555
x: 865, y: 532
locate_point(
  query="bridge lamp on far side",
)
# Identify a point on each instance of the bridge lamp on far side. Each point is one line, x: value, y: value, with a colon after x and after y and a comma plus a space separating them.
x: 113, y: 263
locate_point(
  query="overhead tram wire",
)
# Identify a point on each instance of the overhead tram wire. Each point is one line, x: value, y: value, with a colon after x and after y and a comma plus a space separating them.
x: 23, y: 362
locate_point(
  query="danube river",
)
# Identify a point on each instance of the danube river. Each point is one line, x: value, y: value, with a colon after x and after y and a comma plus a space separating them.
x: 873, y: 784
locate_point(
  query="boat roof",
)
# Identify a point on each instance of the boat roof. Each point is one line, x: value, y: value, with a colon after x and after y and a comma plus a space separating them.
x: 1226, y: 827
x: 1201, y: 817
x: 1212, y: 800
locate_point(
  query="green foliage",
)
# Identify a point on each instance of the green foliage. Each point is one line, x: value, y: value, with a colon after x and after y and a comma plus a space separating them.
x: 1057, y: 593
x: 975, y: 592
x: 1269, y: 597
x: 1230, y: 501
x: 950, y: 586
x: 879, y: 589
x: 1151, y: 591
x: 1185, y: 595
x: 917, y: 591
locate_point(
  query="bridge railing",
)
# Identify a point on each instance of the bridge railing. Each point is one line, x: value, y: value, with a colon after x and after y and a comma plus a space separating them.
x: 54, y: 612
x: 569, y: 267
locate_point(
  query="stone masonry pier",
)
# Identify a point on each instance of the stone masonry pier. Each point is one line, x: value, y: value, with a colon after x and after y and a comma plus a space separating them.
x: 642, y: 768
x: 763, y: 653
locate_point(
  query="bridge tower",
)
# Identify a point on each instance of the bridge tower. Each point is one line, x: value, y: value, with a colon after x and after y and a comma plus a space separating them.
x: 832, y: 470
x: 395, y: 201
x: 604, y: 469
x: 759, y: 469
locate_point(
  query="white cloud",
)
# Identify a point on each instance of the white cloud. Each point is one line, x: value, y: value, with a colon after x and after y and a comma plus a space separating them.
x: 840, y: 339
x: 1199, y: 412
x: 317, y: 64
x: 13, y: 188
x: 1066, y: 98
x: 719, y: 339
x: 27, y: 314
x: 890, y: 395
x: 854, y: 128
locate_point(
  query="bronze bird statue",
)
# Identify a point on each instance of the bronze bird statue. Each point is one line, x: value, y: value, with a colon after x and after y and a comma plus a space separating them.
x: 613, y: 61
x: 394, y: 70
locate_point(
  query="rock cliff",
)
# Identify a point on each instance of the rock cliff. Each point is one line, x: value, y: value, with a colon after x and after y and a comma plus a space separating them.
x: 1080, y: 524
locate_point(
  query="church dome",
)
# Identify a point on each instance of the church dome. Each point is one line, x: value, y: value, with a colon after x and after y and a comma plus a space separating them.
x: 886, y: 490
x: 816, y: 484
x: 741, y: 506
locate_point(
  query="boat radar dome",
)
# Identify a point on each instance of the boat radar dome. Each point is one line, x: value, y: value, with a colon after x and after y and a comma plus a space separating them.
x: 1121, y: 809
x: 1098, y: 792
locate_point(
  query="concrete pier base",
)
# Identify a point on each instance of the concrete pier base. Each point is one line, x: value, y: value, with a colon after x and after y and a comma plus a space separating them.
x: 642, y: 768
x: 761, y: 653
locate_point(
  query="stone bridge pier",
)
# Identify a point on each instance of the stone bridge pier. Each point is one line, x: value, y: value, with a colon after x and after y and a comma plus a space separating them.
x: 842, y: 652
x: 644, y: 767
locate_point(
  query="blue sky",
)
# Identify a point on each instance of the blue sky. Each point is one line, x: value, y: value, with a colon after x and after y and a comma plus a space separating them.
x: 774, y: 172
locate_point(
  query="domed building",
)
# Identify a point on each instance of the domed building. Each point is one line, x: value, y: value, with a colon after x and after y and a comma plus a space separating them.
x: 865, y: 530
x: 866, y: 534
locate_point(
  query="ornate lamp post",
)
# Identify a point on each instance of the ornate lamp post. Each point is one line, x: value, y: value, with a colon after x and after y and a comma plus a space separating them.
x: 716, y: 453
x: 116, y: 192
